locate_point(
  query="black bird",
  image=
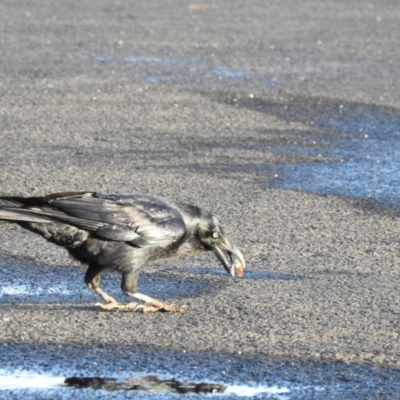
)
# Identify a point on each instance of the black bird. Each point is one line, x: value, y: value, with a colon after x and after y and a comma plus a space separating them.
x: 123, y: 232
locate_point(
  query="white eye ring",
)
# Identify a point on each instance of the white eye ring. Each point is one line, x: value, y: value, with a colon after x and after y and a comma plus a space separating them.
x: 215, y: 235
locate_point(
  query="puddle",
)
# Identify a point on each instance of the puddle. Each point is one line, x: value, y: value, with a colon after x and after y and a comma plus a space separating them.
x: 249, y: 274
x: 63, y: 372
x: 364, y: 168
x: 25, y: 380
x: 24, y: 283
x: 351, y: 179
x: 353, y: 149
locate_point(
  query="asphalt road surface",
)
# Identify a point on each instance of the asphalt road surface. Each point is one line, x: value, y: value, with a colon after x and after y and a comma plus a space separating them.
x: 281, y: 117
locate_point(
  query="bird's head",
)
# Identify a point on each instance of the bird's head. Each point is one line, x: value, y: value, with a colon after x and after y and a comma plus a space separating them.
x: 211, y: 236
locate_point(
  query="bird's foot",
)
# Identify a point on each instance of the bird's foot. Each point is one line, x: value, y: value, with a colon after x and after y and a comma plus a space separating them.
x: 114, y: 306
x: 150, y: 305
x: 108, y: 299
x: 144, y: 308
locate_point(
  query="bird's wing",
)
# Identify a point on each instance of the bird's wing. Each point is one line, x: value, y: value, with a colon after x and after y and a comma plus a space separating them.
x: 142, y: 220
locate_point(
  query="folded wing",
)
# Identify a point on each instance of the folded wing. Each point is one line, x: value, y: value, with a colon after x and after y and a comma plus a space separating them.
x: 141, y: 220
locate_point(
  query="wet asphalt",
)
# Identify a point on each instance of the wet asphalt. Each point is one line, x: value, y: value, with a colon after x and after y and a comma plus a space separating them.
x: 282, y: 118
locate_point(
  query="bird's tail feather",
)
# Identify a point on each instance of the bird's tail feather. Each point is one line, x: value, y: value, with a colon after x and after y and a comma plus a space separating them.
x: 14, y: 214
x: 22, y: 214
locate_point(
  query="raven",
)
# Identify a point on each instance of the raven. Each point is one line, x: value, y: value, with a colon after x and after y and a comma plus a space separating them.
x: 122, y: 233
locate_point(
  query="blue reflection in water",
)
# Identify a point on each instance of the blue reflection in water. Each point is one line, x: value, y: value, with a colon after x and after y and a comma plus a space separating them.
x: 160, y: 60
x: 158, y: 79
x: 221, y: 71
x: 365, y: 165
x: 99, y: 59
x: 271, y: 82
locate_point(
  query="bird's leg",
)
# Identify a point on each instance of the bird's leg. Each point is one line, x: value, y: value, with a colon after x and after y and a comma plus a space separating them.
x: 92, y: 280
x: 129, y: 285
x: 129, y: 280
x: 107, y: 298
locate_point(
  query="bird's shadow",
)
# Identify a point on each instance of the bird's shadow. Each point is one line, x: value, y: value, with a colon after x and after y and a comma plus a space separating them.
x: 249, y: 274
x: 24, y: 283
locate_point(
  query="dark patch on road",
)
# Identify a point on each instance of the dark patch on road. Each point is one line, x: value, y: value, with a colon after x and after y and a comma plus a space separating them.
x: 147, y: 383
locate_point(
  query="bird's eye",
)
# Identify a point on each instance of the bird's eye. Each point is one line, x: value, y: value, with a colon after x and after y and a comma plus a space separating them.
x: 215, y: 235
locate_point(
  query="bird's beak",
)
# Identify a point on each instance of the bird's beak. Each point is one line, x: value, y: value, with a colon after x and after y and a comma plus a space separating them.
x: 230, y: 256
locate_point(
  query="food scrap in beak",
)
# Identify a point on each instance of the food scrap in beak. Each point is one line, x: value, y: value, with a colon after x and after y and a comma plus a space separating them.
x: 238, y: 268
